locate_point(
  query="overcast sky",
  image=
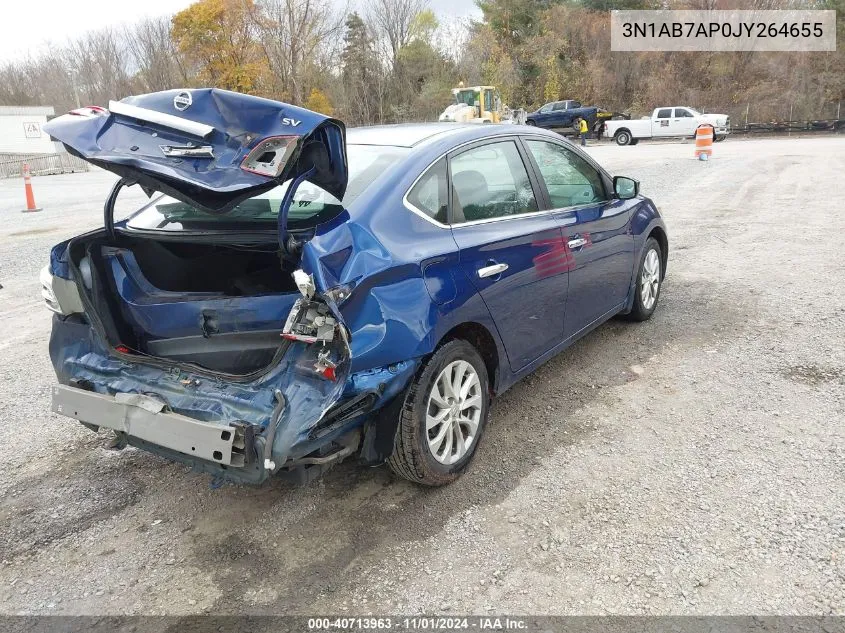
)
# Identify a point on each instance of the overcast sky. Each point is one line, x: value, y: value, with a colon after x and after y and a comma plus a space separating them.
x: 27, y: 26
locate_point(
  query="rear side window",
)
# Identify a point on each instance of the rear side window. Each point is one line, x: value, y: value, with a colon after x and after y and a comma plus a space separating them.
x: 570, y: 180
x: 429, y: 195
x: 489, y: 182
x: 665, y: 113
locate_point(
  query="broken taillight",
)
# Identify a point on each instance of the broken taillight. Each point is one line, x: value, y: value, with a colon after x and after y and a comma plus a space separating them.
x: 310, y: 322
x: 269, y: 156
x: 121, y: 348
x: 90, y: 111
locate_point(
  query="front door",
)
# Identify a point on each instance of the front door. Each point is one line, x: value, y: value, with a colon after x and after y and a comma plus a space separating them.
x: 488, y: 103
x: 599, y: 248
x: 684, y: 122
x: 662, y: 123
x: 510, y: 251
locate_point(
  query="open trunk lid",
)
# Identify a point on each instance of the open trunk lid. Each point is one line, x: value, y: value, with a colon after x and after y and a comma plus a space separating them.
x: 207, y: 147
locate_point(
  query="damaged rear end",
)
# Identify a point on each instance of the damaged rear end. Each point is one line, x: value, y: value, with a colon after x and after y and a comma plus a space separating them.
x: 194, y: 329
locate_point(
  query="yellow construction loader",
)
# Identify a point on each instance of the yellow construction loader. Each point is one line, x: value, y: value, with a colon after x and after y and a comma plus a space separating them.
x: 479, y: 104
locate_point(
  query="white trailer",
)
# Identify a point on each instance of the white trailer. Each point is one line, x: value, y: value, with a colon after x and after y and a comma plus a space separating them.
x: 666, y: 122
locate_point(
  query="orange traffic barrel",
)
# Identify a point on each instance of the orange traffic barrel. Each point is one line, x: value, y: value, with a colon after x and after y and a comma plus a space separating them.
x: 27, y: 185
x: 704, y: 141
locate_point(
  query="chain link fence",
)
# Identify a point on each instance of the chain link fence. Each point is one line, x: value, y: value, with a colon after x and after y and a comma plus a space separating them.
x: 784, y: 117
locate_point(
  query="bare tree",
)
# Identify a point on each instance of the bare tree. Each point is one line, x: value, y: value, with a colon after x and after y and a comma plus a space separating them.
x: 295, y: 35
x: 156, y: 59
x: 100, y: 64
x: 393, y: 21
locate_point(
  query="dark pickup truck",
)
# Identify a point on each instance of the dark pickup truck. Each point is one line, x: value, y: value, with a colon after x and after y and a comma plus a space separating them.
x: 562, y: 114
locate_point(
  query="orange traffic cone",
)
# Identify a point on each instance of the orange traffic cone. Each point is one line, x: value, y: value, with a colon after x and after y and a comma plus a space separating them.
x: 704, y: 142
x: 27, y: 185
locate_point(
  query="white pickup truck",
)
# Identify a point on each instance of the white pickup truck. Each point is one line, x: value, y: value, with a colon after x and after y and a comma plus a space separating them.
x: 666, y: 122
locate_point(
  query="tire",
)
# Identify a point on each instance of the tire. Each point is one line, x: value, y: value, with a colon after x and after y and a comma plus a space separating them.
x: 415, y: 449
x: 721, y: 138
x: 623, y: 137
x: 642, y: 308
x: 634, y: 141
x: 530, y: 122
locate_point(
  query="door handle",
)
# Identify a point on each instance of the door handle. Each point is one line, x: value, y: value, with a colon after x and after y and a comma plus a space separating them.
x: 578, y: 242
x: 492, y: 271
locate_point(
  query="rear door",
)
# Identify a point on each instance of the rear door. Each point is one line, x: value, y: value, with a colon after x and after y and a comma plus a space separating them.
x: 510, y: 250
x: 597, y: 247
x: 661, y: 125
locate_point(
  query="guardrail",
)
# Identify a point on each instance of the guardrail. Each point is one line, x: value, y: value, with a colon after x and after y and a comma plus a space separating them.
x: 11, y: 166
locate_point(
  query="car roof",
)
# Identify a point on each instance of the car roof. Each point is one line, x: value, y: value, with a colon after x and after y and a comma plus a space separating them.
x: 402, y: 134
x: 423, y: 137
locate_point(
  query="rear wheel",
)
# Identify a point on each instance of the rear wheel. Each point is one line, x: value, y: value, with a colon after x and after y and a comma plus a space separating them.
x: 719, y: 139
x: 623, y: 137
x: 443, y: 416
x: 530, y: 122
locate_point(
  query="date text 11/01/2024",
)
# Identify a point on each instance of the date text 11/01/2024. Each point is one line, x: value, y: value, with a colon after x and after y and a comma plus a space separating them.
x: 722, y: 29
x: 420, y: 623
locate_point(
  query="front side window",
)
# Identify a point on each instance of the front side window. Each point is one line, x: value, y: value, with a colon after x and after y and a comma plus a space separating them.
x: 429, y: 194
x: 547, y: 108
x: 489, y: 182
x: 570, y: 180
x: 682, y: 112
x: 311, y: 205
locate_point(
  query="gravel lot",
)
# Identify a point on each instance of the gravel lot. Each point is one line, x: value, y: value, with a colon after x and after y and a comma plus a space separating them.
x: 693, y: 464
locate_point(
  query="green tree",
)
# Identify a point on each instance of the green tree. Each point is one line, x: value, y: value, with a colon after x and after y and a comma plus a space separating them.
x: 513, y: 21
x: 360, y: 72
x: 621, y: 5
x: 424, y: 25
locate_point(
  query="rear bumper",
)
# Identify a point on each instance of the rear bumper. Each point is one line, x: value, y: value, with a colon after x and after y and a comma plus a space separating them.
x: 148, y: 419
x: 191, y: 411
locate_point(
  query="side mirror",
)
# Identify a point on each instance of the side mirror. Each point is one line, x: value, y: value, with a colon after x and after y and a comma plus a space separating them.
x: 625, y: 188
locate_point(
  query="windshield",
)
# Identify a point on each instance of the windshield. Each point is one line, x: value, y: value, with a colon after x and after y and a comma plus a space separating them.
x: 468, y: 97
x: 311, y: 205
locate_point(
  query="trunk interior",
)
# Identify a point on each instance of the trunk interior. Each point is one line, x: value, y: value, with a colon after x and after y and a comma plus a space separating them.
x: 222, y: 307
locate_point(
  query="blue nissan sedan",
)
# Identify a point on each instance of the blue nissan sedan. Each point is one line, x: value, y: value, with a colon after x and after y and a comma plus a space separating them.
x: 295, y: 293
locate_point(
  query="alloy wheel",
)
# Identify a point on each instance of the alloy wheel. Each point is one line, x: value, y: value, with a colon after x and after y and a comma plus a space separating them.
x: 650, y: 279
x: 454, y: 412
